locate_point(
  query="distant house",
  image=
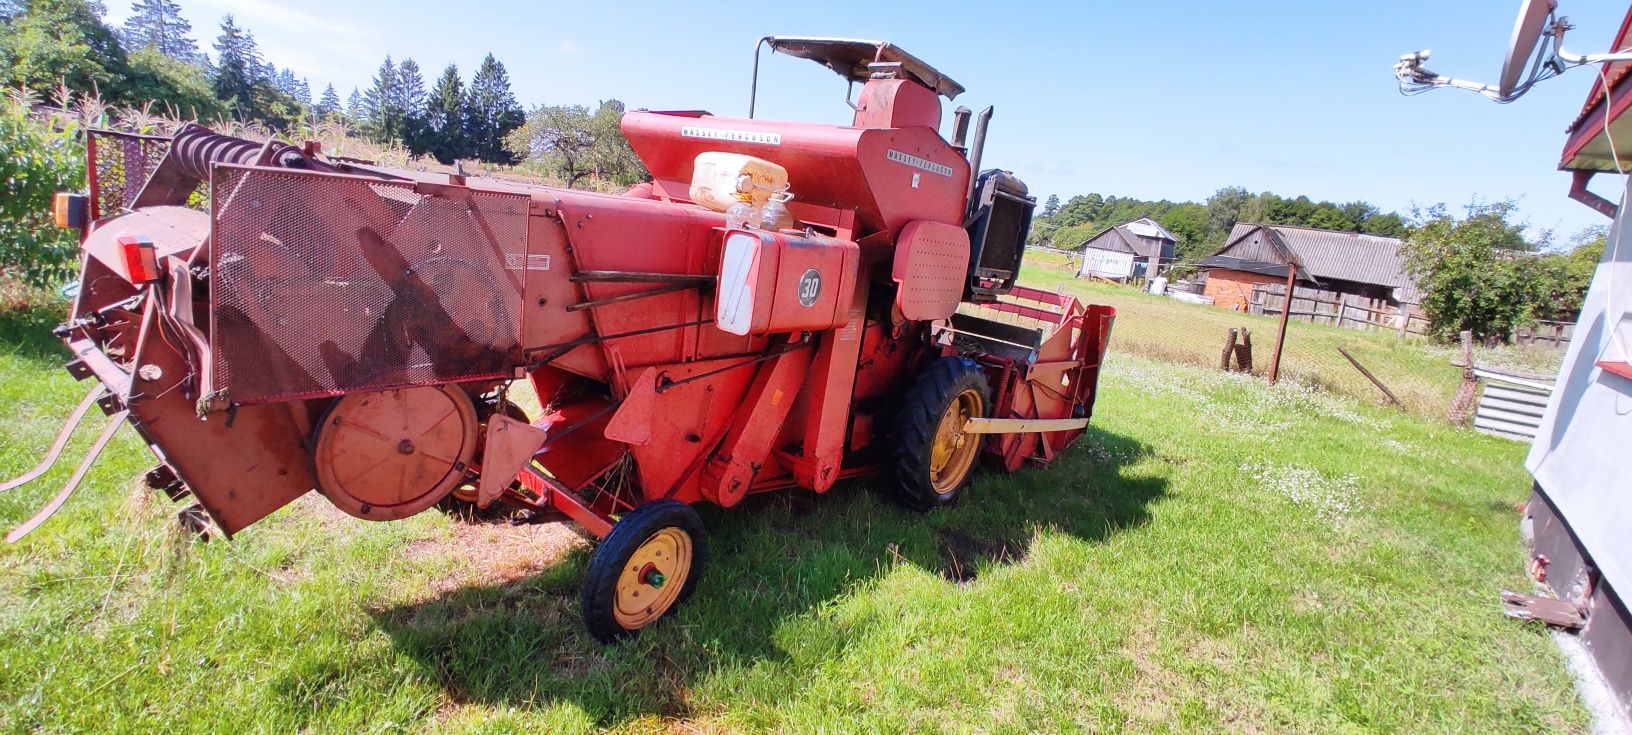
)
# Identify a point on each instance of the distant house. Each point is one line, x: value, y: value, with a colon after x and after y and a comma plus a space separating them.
x: 1335, y: 269
x: 1138, y: 249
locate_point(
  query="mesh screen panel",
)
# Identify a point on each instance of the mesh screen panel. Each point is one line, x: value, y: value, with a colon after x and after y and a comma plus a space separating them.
x: 329, y: 284
x: 123, y: 163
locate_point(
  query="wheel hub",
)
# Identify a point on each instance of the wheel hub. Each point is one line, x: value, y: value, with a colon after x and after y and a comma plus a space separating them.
x: 652, y: 579
x: 952, y: 455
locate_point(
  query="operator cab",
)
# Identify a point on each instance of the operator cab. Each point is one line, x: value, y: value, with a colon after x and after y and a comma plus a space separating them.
x: 900, y: 90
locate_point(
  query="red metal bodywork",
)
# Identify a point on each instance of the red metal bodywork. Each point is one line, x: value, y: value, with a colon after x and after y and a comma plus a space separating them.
x: 312, y: 280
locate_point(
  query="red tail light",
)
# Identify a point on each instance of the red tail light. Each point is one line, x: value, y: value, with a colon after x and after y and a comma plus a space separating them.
x: 141, y: 258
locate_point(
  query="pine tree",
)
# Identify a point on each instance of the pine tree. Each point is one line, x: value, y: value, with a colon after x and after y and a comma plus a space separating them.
x: 286, y: 83
x: 411, y: 102
x: 158, y: 23
x: 235, y: 65
x: 303, y: 91
x: 262, y: 70
x: 444, y: 119
x: 381, y: 113
x: 328, y: 106
x: 410, y: 87
x: 1052, y: 206
x: 354, y: 107
x: 491, y: 112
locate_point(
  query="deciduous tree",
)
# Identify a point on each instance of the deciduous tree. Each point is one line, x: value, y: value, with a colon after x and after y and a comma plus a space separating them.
x: 1476, y: 272
x: 52, y: 42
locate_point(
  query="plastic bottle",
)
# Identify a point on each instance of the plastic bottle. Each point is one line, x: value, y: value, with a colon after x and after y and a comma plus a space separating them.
x: 743, y: 214
x: 775, y: 215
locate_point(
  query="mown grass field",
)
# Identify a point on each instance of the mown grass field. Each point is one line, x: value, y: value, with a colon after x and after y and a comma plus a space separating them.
x: 1216, y: 556
x: 1418, y: 371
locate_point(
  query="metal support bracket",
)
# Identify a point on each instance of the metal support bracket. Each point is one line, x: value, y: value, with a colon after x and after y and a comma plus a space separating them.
x: 1022, y: 426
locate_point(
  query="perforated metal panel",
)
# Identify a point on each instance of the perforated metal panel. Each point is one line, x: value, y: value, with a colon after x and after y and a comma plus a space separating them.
x: 326, y: 284
x: 123, y: 162
x: 931, y: 264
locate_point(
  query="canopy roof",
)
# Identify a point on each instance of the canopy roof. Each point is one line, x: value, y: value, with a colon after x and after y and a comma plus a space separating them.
x: 849, y: 57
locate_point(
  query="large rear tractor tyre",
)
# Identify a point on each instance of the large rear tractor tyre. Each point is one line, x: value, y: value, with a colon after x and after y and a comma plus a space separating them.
x: 644, y: 569
x: 934, y: 458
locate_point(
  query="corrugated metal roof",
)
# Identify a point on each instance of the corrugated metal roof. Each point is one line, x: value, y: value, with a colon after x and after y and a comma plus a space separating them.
x: 1147, y: 227
x: 1615, y: 72
x: 1587, y: 147
x: 1325, y: 254
x: 1128, y: 238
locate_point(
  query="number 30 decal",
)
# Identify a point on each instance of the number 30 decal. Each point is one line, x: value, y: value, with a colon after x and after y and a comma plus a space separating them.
x: 810, y: 286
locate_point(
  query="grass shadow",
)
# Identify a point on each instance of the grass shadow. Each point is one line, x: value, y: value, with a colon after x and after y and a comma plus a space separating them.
x: 773, y: 561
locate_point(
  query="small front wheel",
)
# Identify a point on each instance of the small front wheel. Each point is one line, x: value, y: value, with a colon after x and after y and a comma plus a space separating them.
x: 644, y: 569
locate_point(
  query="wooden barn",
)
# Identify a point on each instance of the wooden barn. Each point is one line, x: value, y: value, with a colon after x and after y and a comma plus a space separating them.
x: 1343, y: 278
x: 1138, y: 249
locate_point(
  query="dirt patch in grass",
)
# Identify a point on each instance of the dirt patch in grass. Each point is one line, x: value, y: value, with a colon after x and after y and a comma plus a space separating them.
x: 493, y: 553
x: 962, y: 554
x: 313, y: 505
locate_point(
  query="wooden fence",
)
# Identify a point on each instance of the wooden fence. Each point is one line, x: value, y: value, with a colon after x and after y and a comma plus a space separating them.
x: 1343, y: 310
x: 1548, y: 334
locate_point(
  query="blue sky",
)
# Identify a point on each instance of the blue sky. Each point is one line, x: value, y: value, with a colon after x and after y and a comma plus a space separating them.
x: 1151, y: 99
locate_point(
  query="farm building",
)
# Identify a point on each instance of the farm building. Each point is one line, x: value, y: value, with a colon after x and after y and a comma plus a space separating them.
x: 1342, y: 277
x: 1137, y: 249
x: 1581, y: 506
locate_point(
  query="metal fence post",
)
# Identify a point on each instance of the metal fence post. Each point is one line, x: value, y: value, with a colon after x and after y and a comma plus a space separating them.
x: 1286, y: 314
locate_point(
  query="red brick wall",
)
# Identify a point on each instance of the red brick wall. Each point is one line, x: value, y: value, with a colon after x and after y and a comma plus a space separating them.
x: 1232, y: 289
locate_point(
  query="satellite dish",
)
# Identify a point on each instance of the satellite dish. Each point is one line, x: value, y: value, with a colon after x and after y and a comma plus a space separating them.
x: 1527, y: 32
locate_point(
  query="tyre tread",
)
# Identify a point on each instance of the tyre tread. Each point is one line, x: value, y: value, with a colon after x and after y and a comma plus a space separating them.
x: 599, y: 591
x: 917, y: 421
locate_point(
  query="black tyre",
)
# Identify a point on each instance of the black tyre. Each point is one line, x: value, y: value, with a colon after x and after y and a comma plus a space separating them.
x: 934, y: 458
x: 644, y: 569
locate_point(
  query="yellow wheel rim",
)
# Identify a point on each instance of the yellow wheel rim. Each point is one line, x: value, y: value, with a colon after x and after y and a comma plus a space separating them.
x: 953, y: 453
x: 652, y: 578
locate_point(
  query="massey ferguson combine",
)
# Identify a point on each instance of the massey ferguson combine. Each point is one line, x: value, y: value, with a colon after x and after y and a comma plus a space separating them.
x: 326, y: 324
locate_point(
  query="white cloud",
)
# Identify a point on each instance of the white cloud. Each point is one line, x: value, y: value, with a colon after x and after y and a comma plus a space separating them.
x: 254, y: 14
x: 569, y: 47
x: 315, y: 45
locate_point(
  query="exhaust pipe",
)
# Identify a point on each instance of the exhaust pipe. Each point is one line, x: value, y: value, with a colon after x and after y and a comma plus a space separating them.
x: 960, y: 128
x: 976, y: 150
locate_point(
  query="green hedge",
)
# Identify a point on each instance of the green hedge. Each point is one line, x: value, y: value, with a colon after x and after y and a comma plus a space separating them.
x: 42, y: 157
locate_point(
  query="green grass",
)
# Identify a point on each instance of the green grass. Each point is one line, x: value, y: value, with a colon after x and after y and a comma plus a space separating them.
x: 1216, y: 556
x: 1419, y: 372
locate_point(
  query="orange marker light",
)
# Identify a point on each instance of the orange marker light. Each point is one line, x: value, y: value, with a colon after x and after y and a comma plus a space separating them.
x: 69, y: 210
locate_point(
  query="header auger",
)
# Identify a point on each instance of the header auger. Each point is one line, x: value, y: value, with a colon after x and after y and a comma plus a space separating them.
x: 335, y: 326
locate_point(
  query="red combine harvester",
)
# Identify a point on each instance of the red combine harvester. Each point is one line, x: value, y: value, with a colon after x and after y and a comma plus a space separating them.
x: 329, y: 324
